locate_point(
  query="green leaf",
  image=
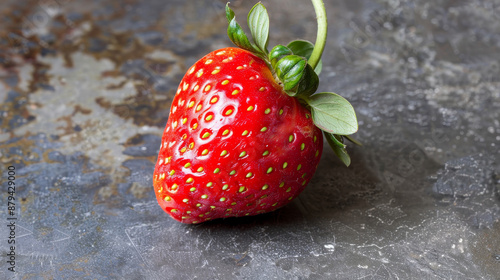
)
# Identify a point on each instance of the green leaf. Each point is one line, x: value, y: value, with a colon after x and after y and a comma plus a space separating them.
x: 309, y: 83
x: 304, y: 48
x: 339, y: 150
x: 350, y: 138
x: 278, y: 52
x: 290, y: 70
x: 258, y: 22
x: 229, y: 13
x: 236, y: 34
x: 338, y: 141
x: 332, y: 113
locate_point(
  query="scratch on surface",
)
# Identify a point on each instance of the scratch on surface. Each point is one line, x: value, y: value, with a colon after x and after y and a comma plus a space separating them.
x: 61, y: 239
x: 208, y: 245
x: 374, y: 245
x: 385, y: 213
x: 135, y: 247
x: 41, y: 258
x: 29, y: 232
x: 375, y: 274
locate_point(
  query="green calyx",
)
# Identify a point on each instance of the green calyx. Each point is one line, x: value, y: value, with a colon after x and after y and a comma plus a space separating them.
x: 296, y: 67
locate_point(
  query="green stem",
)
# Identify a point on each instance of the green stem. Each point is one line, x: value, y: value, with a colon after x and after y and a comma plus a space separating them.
x: 319, y: 46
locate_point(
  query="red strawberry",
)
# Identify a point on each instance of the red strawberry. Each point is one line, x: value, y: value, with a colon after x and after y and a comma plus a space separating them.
x: 236, y: 142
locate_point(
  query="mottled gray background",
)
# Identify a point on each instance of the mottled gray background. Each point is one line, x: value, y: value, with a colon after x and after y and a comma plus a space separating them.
x: 85, y: 90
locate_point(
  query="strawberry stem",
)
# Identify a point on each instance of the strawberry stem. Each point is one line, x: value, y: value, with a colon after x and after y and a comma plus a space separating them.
x: 319, y: 46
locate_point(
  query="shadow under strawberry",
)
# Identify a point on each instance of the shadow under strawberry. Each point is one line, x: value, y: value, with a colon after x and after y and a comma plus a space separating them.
x: 334, y: 189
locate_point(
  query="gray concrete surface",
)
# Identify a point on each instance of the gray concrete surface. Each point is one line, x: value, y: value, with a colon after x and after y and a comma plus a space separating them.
x: 85, y: 90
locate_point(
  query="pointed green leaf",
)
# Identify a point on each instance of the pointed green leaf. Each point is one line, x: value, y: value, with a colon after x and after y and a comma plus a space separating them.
x: 304, y: 48
x: 333, y: 113
x: 350, y: 138
x: 229, y: 13
x: 278, y: 52
x: 290, y: 70
x: 236, y: 34
x: 339, y: 150
x: 258, y: 22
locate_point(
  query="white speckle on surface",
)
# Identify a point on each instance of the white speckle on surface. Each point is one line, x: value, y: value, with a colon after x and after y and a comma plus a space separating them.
x: 362, y: 266
x: 330, y: 247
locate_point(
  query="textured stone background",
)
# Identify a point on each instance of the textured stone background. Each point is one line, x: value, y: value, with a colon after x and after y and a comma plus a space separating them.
x: 85, y: 90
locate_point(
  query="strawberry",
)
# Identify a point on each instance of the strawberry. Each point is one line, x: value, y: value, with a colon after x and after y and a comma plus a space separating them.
x: 244, y: 134
x: 235, y: 144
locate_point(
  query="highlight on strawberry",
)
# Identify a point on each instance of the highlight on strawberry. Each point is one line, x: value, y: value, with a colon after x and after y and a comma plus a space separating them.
x: 245, y: 130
